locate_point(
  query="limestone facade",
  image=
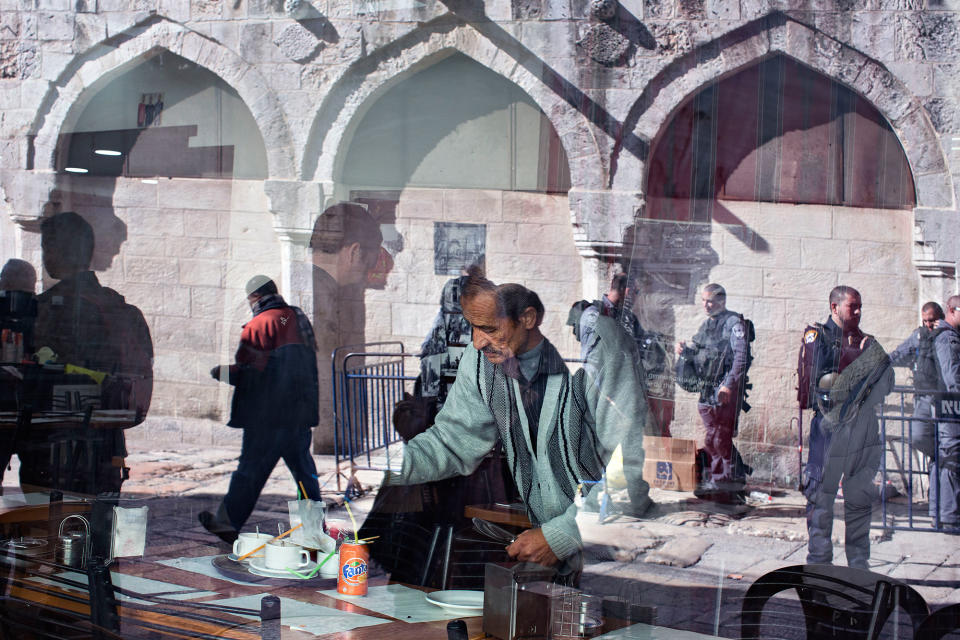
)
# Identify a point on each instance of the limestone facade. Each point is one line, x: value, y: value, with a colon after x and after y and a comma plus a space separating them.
x: 607, y: 85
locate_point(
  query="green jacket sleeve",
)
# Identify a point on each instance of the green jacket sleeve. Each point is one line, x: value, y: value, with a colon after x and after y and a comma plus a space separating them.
x: 563, y: 534
x: 617, y: 402
x: 462, y: 434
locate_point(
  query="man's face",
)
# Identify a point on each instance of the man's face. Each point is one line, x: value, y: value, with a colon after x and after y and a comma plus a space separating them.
x: 953, y: 316
x: 497, y: 337
x: 713, y: 303
x: 847, y: 313
x: 354, y: 263
x: 929, y: 318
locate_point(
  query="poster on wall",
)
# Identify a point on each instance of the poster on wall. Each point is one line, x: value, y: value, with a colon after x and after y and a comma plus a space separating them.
x: 150, y: 110
x: 456, y: 246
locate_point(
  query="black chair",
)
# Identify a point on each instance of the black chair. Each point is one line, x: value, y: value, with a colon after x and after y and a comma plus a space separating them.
x: 835, y: 602
x: 940, y: 623
x: 407, y: 550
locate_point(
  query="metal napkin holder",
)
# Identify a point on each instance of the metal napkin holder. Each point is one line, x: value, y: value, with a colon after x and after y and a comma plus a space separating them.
x: 510, y: 609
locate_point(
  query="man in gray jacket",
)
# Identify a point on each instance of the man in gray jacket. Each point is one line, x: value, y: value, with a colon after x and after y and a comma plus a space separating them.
x: 945, y: 477
x: 558, y: 430
x: 918, y: 352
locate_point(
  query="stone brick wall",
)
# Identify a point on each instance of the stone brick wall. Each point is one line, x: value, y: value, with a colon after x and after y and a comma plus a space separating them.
x: 608, y: 85
x: 181, y: 251
x: 780, y: 279
x: 529, y: 240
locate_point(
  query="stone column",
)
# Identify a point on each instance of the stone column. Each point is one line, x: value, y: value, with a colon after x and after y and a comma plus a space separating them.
x: 938, y: 280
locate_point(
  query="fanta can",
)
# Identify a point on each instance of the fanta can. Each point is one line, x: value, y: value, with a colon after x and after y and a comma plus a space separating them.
x: 352, y: 575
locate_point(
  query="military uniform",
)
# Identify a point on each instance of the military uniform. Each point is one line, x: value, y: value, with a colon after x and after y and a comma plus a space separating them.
x: 849, y: 449
x: 909, y: 353
x: 945, y: 477
x: 721, y: 349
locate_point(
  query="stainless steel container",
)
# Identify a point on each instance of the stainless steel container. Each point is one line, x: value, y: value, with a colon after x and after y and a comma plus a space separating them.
x: 508, y: 611
x: 70, y: 550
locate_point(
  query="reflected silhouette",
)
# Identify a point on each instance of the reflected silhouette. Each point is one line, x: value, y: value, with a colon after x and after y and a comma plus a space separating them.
x: 346, y: 244
x: 103, y: 357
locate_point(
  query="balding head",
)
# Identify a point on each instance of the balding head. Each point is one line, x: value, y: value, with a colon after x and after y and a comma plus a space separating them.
x: 953, y: 311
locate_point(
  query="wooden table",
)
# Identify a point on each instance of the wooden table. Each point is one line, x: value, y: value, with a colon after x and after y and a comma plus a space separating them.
x: 499, y: 514
x: 131, y: 619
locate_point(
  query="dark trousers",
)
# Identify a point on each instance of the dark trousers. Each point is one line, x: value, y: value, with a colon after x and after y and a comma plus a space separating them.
x: 718, y: 423
x: 945, y: 476
x: 259, y: 454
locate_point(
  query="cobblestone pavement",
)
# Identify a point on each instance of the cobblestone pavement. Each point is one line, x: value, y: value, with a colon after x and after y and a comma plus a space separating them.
x: 690, y: 562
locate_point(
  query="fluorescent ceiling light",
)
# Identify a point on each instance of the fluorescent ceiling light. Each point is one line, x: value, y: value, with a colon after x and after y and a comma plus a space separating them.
x: 75, y: 169
x: 150, y: 181
x: 107, y: 152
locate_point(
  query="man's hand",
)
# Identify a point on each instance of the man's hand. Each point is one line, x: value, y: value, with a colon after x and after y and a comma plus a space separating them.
x: 680, y: 346
x: 215, y: 372
x: 531, y: 546
x: 724, y: 394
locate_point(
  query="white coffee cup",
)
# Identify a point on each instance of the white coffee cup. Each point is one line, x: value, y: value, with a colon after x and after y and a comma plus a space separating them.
x: 286, y: 555
x: 332, y: 566
x: 247, y: 542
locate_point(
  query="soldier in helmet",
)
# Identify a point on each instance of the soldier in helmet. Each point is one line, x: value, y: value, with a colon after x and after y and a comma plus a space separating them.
x: 844, y: 374
x: 720, y: 355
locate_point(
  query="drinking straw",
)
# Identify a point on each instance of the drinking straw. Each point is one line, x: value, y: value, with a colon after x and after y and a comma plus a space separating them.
x: 346, y: 503
x: 315, y: 569
x: 282, y: 535
x: 367, y: 539
x: 303, y: 491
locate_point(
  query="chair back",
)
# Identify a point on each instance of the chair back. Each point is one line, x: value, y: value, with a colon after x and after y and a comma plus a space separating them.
x: 940, y: 623
x: 836, y: 602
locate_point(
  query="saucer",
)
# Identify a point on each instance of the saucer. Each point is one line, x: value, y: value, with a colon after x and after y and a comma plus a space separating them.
x: 258, y: 567
x: 236, y: 558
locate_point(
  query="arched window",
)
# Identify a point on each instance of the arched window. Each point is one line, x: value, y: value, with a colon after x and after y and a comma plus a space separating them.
x: 163, y: 117
x: 776, y: 132
x: 456, y: 124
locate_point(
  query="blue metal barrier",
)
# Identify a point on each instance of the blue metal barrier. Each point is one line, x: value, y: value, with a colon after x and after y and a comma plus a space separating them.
x: 895, y: 431
x: 368, y: 380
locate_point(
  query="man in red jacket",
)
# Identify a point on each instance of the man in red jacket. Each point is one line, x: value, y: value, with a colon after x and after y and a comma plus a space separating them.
x: 275, y: 403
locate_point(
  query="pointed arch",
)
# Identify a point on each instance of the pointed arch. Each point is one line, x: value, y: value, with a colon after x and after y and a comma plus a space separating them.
x: 780, y: 34
x: 105, y: 60
x: 369, y: 78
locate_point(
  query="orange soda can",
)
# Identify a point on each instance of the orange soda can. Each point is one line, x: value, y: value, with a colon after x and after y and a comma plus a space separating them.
x: 352, y: 574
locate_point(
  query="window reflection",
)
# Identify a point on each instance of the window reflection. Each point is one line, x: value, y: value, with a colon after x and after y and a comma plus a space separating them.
x: 712, y: 199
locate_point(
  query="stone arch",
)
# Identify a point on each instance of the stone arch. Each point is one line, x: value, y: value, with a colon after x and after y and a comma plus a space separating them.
x: 779, y: 34
x: 366, y: 80
x: 106, y: 59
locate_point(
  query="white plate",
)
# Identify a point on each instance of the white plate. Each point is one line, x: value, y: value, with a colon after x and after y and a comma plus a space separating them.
x: 457, y: 600
x: 257, y: 567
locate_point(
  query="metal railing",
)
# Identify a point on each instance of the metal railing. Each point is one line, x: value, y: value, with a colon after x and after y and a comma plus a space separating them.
x: 910, y: 464
x: 368, y: 380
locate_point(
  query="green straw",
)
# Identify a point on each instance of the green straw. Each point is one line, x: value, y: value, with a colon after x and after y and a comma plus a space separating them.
x: 315, y: 569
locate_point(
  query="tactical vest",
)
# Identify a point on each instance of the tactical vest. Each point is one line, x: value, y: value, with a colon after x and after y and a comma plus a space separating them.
x: 926, y: 368
x: 818, y: 356
x: 714, y: 357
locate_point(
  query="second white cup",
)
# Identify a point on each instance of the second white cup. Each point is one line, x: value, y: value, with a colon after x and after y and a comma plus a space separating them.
x: 247, y: 542
x: 286, y: 555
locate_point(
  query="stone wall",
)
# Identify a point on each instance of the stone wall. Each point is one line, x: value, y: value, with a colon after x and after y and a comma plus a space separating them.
x: 608, y: 84
x: 528, y: 240
x: 779, y: 276
x: 181, y: 251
